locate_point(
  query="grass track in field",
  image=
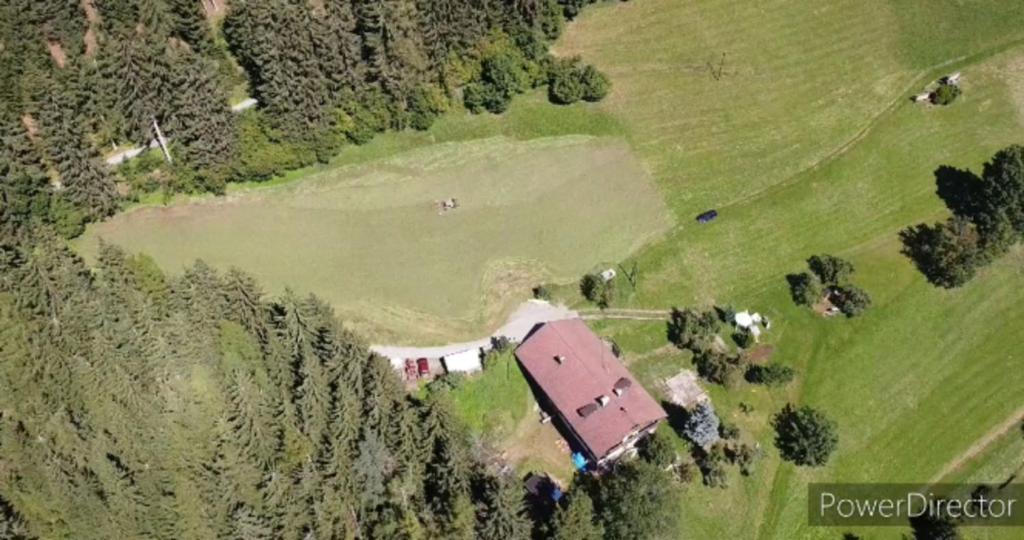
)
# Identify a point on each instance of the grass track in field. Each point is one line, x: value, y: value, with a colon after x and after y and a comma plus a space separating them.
x: 369, y: 235
x: 809, y: 145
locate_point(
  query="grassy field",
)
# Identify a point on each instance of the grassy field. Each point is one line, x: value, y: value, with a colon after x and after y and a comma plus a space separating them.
x: 793, y: 120
x: 804, y: 138
x: 498, y: 407
x: 369, y: 238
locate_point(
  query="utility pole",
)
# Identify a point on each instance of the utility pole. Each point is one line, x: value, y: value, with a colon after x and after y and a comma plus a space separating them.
x: 161, y: 141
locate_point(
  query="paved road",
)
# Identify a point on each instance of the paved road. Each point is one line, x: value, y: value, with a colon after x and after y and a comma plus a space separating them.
x: 522, y: 320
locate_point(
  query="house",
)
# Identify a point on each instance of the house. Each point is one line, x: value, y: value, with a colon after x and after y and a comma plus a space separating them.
x: 467, y: 361
x: 581, y: 382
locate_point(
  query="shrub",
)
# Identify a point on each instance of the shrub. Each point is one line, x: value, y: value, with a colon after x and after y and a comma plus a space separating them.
x: 684, y: 472
x: 503, y: 74
x: 608, y: 293
x: 946, y: 94
x: 593, y: 287
x: 658, y: 450
x: 743, y: 456
x: 830, y: 270
x: 771, y: 374
x: 564, y: 84
x: 569, y: 82
x: 726, y: 314
x: 948, y: 254
x: 712, y: 466
x: 728, y: 431
x: 501, y: 344
x: 743, y: 338
x: 852, y: 300
x: 260, y: 157
x: 595, y: 84
x: 590, y: 286
x: 541, y: 292
x: 719, y: 368
x: 425, y: 104
x: 805, y: 288
x: 804, y: 436
x: 691, y: 329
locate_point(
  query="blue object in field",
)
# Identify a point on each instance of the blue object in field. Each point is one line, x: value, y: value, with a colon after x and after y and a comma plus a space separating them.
x: 707, y: 217
x: 579, y: 461
x: 556, y: 494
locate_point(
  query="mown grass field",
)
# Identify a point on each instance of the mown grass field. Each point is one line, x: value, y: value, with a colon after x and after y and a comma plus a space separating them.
x: 807, y: 143
x: 793, y: 120
x: 370, y: 239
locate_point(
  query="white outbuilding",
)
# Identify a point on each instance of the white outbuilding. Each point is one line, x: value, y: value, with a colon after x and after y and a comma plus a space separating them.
x: 467, y: 361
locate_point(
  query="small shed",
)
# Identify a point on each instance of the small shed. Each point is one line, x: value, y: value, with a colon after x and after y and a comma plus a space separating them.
x: 467, y: 361
x: 608, y: 274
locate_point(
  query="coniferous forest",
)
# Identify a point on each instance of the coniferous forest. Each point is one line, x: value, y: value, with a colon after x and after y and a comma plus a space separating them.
x: 135, y: 404
x: 141, y: 406
x: 81, y: 77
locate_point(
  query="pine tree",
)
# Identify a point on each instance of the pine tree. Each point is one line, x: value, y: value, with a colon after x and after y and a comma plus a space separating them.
x: 201, y: 121
x: 575, y: 520
x: 81, y: 173
x: 503, y: 515
x: 189, y: 24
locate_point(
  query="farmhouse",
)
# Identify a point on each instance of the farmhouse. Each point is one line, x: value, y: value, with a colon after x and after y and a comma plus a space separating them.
x: 585, y: 386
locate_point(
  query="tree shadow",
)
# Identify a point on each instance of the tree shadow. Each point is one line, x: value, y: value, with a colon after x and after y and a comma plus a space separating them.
x: 917, y: 243
x: 960, y: 189
x: 796, y: 281
x: 676, y: 416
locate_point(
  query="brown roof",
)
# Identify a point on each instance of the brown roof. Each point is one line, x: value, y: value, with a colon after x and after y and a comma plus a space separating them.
x: 574, y: 368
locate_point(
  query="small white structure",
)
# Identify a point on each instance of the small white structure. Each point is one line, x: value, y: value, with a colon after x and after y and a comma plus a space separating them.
x: 756, y: 318
x: 608, y: 274
x: 755, y: 331
x: 927, y: 96
x: 953, y: 78
x: 743, y: 319
x: 467, y: 361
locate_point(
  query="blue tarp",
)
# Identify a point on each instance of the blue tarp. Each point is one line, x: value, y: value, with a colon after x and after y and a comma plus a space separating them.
x: 556, y: 494
x: 579, y: 461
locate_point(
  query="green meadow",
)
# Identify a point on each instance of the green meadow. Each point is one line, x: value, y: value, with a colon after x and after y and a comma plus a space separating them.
x: 795, y: 123
x: 793, y: 120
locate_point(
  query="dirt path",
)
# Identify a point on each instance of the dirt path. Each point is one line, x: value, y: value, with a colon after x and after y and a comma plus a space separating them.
x: 522, y: 320
x: 627, y: 314
x: 980, y: 445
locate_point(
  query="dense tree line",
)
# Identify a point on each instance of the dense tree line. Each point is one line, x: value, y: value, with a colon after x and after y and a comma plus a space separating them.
x: 140, y: 405
x: 79, y: 77
x: 988, y: 218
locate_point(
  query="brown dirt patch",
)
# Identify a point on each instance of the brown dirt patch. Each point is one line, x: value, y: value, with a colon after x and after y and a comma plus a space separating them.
x: 760, y: 354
